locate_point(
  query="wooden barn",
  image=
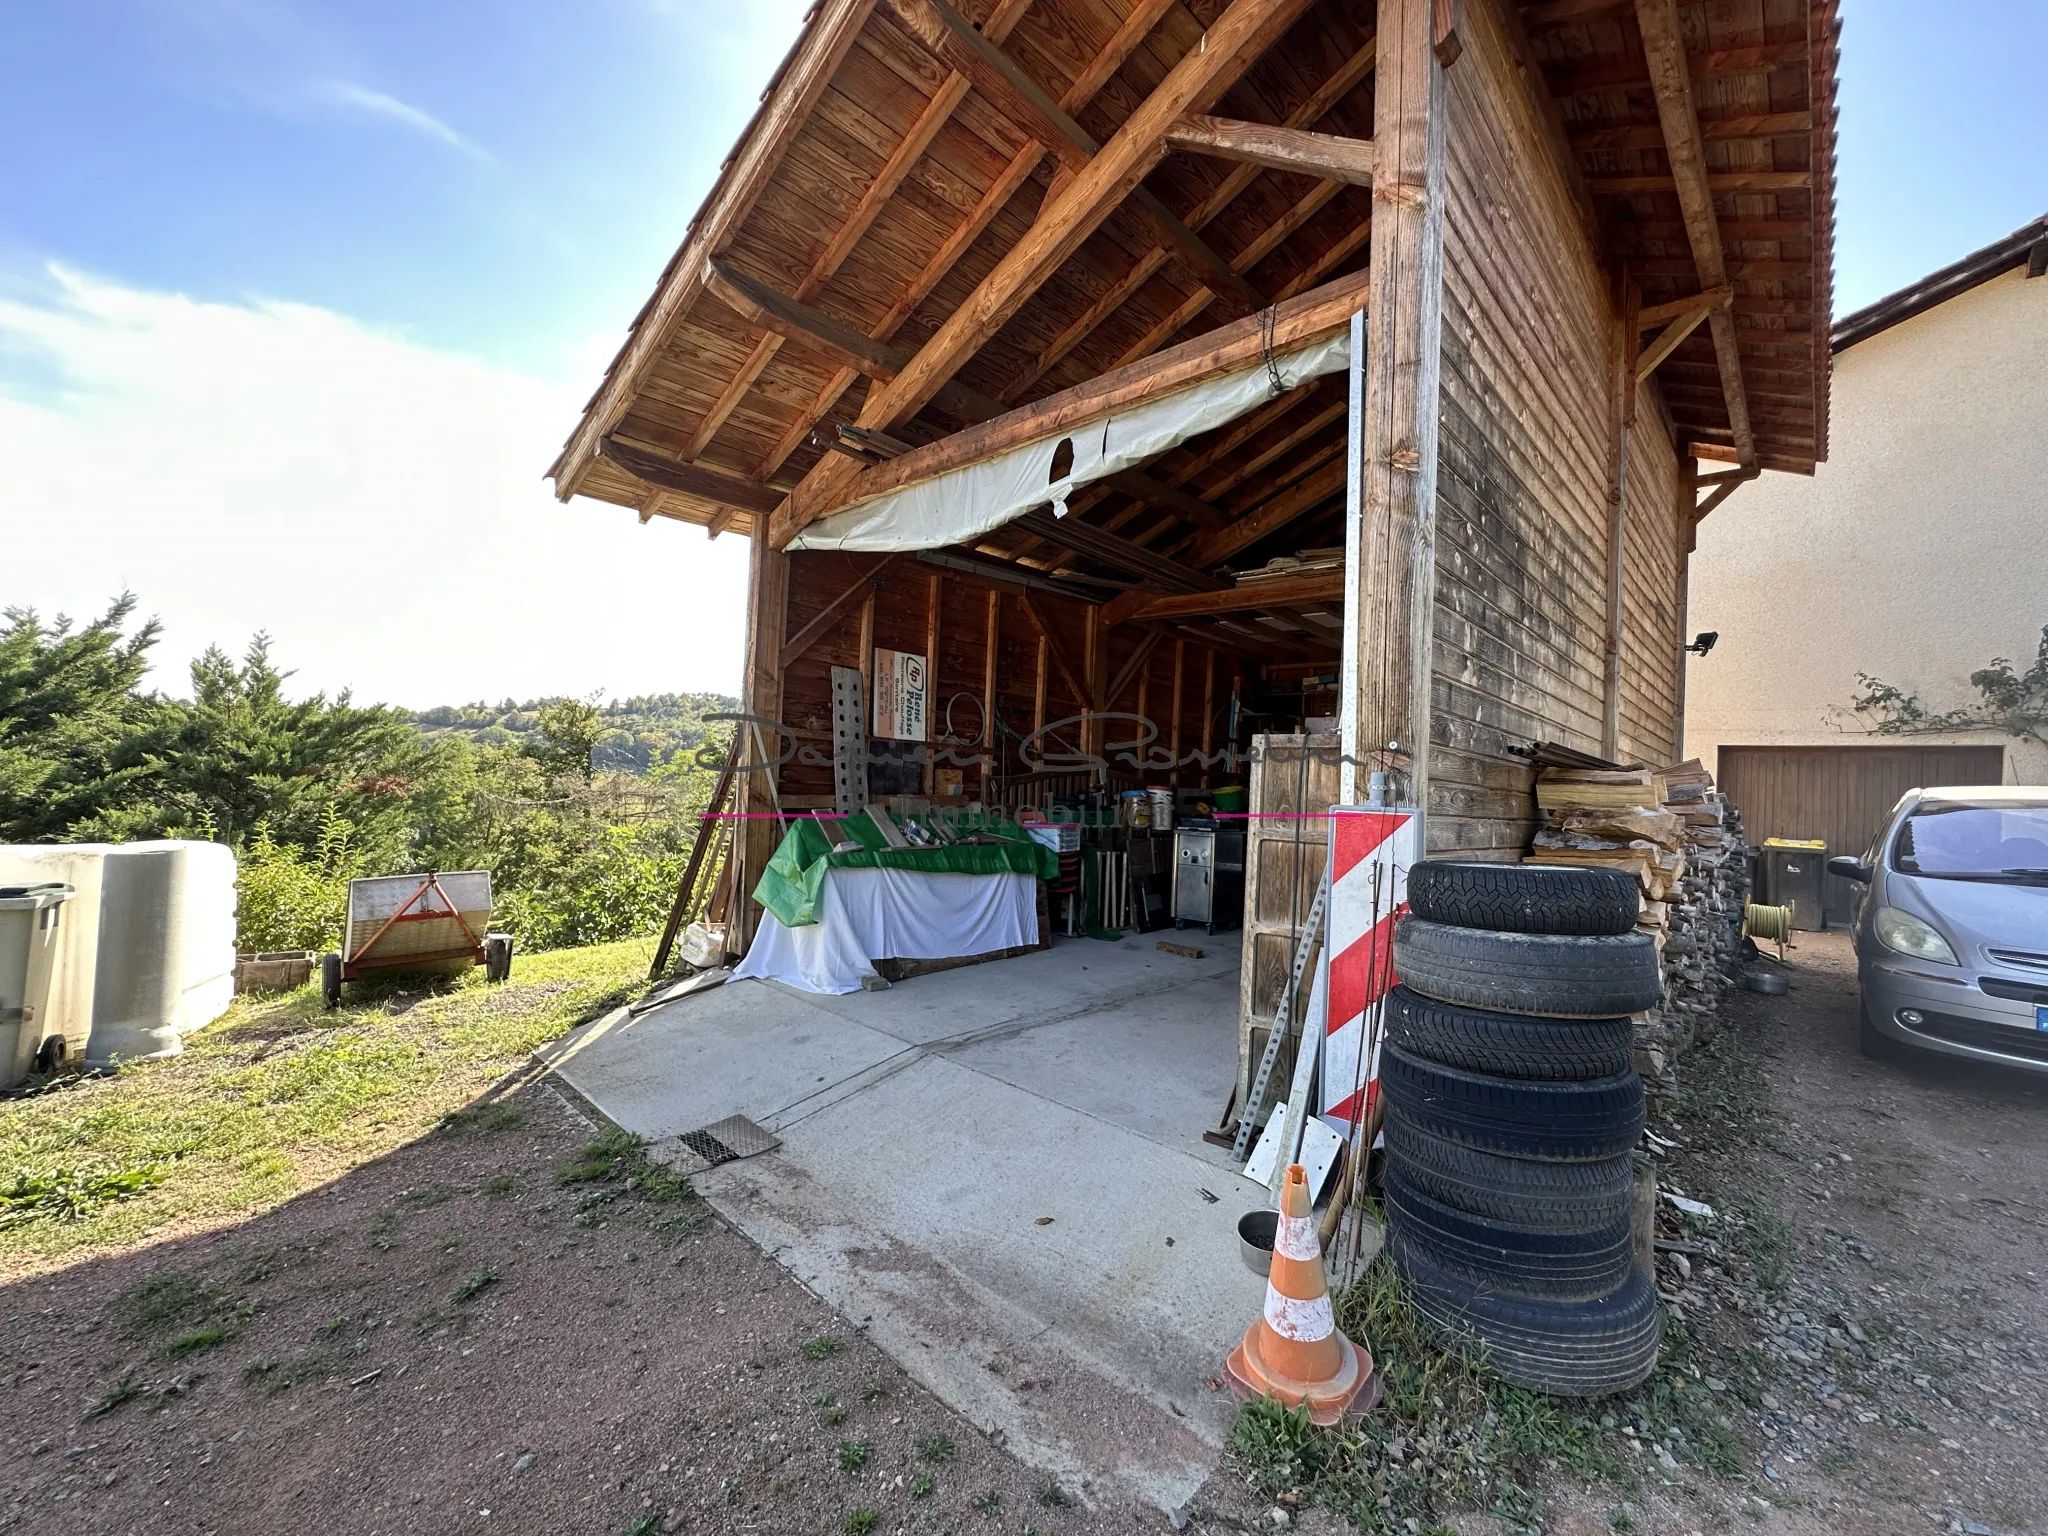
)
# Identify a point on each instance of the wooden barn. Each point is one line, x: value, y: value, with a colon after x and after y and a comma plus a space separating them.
x: 1248, y: 367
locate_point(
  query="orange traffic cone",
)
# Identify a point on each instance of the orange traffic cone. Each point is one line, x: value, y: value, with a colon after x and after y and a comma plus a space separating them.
x: 1294, y: 1351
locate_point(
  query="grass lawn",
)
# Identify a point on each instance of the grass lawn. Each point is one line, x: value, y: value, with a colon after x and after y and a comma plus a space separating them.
x: 277, y: 1096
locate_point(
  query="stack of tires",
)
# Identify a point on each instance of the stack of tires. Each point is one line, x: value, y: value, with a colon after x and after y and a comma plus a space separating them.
x: 1512, y: 1110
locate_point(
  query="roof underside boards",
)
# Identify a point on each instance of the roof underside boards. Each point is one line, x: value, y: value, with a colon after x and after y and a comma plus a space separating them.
x: 880, y: 185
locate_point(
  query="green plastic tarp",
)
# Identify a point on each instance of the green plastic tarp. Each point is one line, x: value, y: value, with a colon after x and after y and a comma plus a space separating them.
x: 795, y: 877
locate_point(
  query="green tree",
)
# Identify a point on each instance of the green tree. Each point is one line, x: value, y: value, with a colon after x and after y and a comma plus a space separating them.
x: 241, y: 754
x: 569, y: 730
x: 74, y: 726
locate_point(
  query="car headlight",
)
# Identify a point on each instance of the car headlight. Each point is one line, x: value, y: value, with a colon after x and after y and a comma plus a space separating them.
x: 1905, y: 933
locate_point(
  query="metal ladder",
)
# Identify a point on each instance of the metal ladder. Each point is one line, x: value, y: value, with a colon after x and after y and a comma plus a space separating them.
x: 1283, y: 1016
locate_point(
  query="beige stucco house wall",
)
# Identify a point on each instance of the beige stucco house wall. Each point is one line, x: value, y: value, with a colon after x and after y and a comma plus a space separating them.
x: 1916, y: 553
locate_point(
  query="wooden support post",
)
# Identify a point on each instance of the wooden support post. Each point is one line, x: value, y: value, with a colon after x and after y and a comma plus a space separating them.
x: 1688, y: 481
x: 1404, y: 320
x: 1208, y: 711
x: 988, y: 689
x: 1095, y: 683
x: 931, y: 673
x: 1180, y: 652
x: 767, y: 615
x: 1621, y: 416
x: 1044, y: 661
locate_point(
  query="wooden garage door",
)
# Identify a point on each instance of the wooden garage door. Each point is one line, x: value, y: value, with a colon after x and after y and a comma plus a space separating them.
x: 1841, y: 794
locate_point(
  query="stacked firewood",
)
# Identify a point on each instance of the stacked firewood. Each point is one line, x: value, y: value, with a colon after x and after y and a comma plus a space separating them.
x: 1683, y: 843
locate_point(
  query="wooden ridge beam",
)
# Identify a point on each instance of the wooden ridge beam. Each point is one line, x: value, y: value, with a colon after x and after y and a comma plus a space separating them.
x: 1238, y: 39
x: 1312, y: 589
x: 954, y: 39
x: 1275, y: 148
x: 1318, y: 313
x: 690, y: 479
x: 1664, y: 53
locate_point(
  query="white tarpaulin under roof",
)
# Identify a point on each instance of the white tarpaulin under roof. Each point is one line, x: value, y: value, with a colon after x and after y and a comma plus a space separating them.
x: 960, y: 505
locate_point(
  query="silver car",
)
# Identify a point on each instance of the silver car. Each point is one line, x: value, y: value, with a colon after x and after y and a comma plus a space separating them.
x: 1952, y: 938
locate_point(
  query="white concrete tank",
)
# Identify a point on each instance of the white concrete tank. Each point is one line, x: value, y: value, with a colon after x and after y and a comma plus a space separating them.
x: 166, y: 947
x: 75, y: 964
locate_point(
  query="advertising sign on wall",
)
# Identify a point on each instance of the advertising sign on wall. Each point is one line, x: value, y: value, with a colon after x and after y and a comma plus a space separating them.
x: 900, y: 686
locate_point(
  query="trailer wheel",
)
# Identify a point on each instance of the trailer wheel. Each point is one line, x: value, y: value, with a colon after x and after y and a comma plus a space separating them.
x: 497, y: 957
x: 51, y: 1056
x: 330, y: 979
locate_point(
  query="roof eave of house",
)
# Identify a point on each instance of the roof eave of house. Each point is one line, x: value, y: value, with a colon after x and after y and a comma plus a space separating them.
x: 1979, y: 267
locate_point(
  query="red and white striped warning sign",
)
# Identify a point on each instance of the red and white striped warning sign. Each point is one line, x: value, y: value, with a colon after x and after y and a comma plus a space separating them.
x: 1370, y: 851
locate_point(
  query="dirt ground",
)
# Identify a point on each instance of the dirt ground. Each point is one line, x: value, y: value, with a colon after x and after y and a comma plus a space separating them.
x: 450, y: 1338
x: 1901, y: 1362
x: 629, y: 1366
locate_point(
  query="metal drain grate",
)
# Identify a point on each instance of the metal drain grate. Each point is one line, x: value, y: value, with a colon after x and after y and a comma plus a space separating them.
x: 730, y: 1139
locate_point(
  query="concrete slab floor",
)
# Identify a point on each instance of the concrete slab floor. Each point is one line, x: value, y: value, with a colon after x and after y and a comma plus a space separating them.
x: 929, y: 1129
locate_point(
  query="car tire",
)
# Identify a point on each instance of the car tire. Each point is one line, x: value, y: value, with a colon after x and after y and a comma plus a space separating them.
x: 1567, y: 1349
x: 1552, y: 975
x: 1536, y: 1192
x: 1570, y: 1122
x: 1525, y: 898
x: 1874, y: 1042
x: 1514, y: 1259
x: 1508, y: 1044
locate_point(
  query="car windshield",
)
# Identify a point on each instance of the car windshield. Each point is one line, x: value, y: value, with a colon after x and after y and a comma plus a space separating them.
x: 1975, y: 842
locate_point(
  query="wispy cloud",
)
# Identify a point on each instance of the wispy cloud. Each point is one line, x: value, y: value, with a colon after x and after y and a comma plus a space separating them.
x: 360, y: 98
x: 375, y: 504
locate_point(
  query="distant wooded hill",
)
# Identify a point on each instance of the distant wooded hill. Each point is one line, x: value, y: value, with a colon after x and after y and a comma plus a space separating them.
x: 633, y: 735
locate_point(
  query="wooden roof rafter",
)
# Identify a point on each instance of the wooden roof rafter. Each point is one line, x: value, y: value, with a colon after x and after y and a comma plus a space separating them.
x: 1230, y: 47
x: 1664, y: 53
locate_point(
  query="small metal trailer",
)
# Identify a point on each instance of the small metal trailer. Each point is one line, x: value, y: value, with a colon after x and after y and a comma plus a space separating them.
x: 438, y: 923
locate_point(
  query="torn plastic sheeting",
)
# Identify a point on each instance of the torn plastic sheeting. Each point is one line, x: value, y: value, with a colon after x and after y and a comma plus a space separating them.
x: 963, y: 504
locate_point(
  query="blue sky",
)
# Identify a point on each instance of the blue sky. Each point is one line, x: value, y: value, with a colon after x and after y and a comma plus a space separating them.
x: 299, y: 297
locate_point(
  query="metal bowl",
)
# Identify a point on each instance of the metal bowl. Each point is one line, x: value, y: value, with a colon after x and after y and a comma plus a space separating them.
x: 1255, y: 1233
